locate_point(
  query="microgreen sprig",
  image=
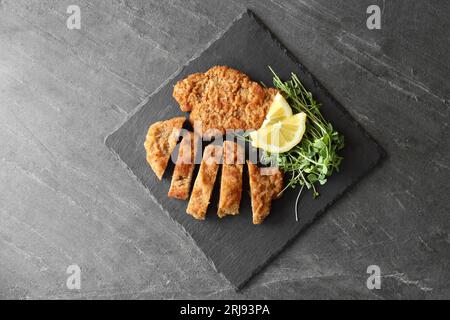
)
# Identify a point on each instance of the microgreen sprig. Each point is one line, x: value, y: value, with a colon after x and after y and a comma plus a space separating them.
x: 316, y: 156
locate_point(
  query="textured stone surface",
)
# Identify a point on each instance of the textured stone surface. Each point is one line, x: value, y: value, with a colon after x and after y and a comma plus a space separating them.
x: 64, y: 198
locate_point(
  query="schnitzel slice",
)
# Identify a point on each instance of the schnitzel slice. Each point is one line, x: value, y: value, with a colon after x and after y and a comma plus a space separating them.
x: 204, y: 183
x: 162, y: 137
x: 231, y: 182
x: 184, y: 168
x: 223, y: 98
x: 266, y: 184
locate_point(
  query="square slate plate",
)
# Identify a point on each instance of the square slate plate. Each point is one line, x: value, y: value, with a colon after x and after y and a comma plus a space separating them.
x: 234, y: 246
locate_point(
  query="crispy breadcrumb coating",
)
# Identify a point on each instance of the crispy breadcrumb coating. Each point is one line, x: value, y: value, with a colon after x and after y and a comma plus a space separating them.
x: 184, y: 168
x: 231, y: 182
x: 204, y: 183
x: 223, y: 98
x: 162, y: 137
x: 266, y: 184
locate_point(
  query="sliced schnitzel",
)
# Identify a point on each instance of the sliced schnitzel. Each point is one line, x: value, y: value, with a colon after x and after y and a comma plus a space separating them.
x: 184, y: 168
x: 223, y: 98
x: 231, y: 182
x: 162, y: 137
x: 204, y: 183
x: 266, y: 184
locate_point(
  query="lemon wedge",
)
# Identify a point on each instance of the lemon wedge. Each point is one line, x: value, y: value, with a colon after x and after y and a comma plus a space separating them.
x: 278, y: 110
x: 280, y: 136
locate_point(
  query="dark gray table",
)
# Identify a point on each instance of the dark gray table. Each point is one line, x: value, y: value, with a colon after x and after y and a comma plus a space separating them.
x: 64, y: 199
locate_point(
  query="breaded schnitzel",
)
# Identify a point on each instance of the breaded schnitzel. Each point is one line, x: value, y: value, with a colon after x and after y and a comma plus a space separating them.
x: 265, y: 185
x: 223, y: 98
x: 231, y: 182
x: 162, y: 137
x: 204, y: 183
x: 184, y: 168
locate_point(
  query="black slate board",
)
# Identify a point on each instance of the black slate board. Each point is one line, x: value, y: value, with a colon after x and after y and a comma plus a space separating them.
x: 234, y: 246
